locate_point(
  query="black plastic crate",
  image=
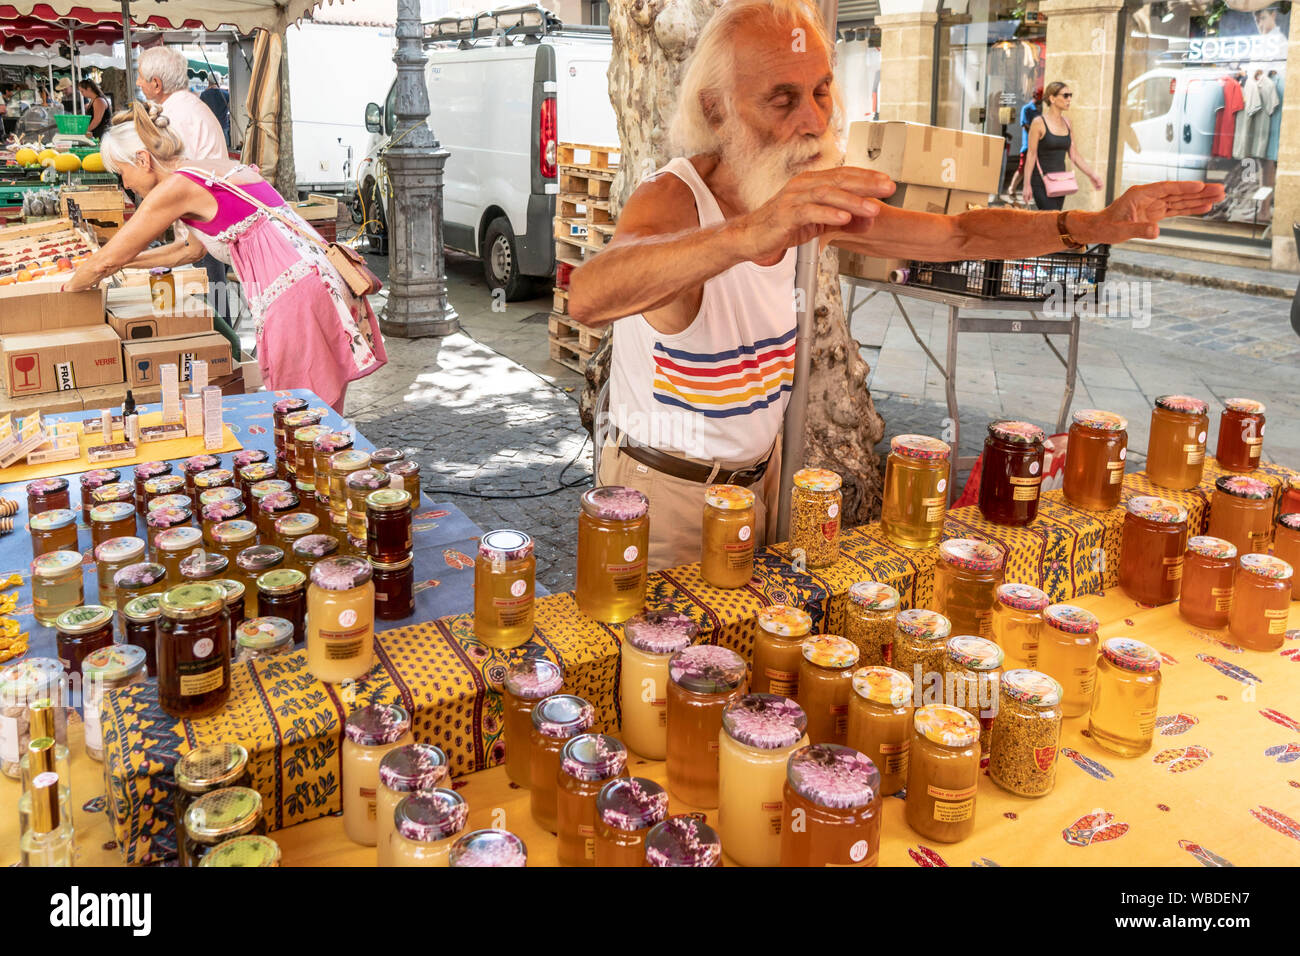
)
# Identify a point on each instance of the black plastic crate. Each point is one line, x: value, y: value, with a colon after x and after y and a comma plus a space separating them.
x: 1029, y: 279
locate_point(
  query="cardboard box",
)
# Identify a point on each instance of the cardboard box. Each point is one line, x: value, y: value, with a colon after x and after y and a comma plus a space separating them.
x: 927, y: 155
x: 190, y: 280
x: 132, y: 317
x: 961, y: 200
x: 50, y: 310
x: 56, y: 361
x: 103, y: 208
x: 932, y: 199
x: 868, y: 267
x: 142, y: 358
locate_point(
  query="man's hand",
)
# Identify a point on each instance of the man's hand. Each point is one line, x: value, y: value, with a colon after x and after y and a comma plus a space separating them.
x: 840, y: 200
x: 1137, y: 213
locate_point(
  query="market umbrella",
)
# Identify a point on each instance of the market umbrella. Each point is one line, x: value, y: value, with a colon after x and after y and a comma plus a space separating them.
x: 245, y: 15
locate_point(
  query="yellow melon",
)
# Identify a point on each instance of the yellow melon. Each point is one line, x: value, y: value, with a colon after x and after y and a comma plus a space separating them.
x: 93, y: 163
x: 45, y: 154
x: 67, y: 163
x: 25, y: 156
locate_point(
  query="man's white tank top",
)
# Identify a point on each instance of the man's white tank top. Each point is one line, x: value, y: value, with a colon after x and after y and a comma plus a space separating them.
x: 718, y: 390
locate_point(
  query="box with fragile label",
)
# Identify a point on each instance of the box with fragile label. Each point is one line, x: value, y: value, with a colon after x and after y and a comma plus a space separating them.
x: 145, y: 357
x: 56, y: 361
x: 927, y: 155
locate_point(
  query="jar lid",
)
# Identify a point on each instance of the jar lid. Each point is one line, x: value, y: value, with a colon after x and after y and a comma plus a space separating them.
x: 1031, y: 687
x: 186, y: 602
x: 1012, y: 430
x: 1130, y: 654
x: 1246, y: 406
x: 213, y: 477
x: 974, y: 653
x: 329, y: 442
x: 301, y: 419
x: 765, y: 721
x: 488, y: 848
x: 660, y: 631
x: 53, y: 519
x: 212, y: 496
x: 1290, y: 520
x: 210, y: 766
x: 390, y: 499
x: 367, y: 480
x: 264, y: 633
x: 218, y: 511
x: 231, y: 589
x: 404, y: 468
x: 178, y: 539
x: 817, y: 479
x: 42, y: 487
x: 501, y: 545
x: 257, y: 472
x: 593, y: 757
x: 874, y: 596
x: 271, y: 486
x: 1266, y: 566
x: 308, y: 434
x: 143, y: 574
x: 167, y: 517
x: 164, y: 484
x: 338, y: 574
x: 784, y: 620
x: 1159, y: 510
x: 249, y: 850
x: 349, y: 460
x: 829, y: 775
x: 1099, y: 420
x: 921, y: 447
x: 182, y: 502
x: 83, y: 619
x: 1208, y: 547
x: 247, y: 456
x: 117, y: 662
x: 728, y: 497
x: 615, y: 503
x: 296, y: 524
x: 203, y: 564
x: 281, y: 581
x: 384, y: 456
x: 972, y: 554
x: 1022, y: 597
x: 97, y: 477
x: 533, y: 678
x: 233, y: 531
x: 1071, y: 619
x: 707, y: 669
x: 259, y: 557
x: 287, y: 405
x: 197, y: 463
x: 113, y: 491
x: 391, y: 565
x: 151, y: 469
x: 925, y: 624
x: 1244, y: 486
x: 145, y: 608
x: 882, y: 685
x: 414, y: 767
x: 377, y: 724
x: 562, y: 716
x: 122, y: 550
x: 1183, y: 404
x: 28, y: 681
x: 278, y: 501
x: 631, y: 804
x: 682, y: 840
x: 432, y: 816
x: 223, y: 813
x: 315, y: 546
x: 53, y: 564
x: 830, y: 651
x: 946, y: 725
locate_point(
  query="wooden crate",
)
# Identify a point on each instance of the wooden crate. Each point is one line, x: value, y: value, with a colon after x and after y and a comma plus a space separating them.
x: 588, y: 157
x: 574, y: 253
x: 599, y: 235
x: 570, y: 331
x: 572, y: 230
x: 560, y: 301
x: 569, y: 355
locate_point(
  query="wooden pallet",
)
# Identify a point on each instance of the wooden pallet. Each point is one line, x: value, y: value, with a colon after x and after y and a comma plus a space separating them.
x: 574, y: 253
x: 570, y: 332
x: 560, y: 301
x: 599, y: 158
x: 570, y: 356
x: 583, y: 206
x: 599, y: 235
x: 575, y: 179
x: 572, y: 230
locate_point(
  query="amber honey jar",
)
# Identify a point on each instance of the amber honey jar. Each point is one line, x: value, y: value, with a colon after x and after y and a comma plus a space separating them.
x: 683, y: 840
x: 311, y: 548
x: 116, y: 519
x: 193, y: 651
x: 141, y: 474
x: 279, y: 410
x: 139, y: 580
x: 966, y: 575
x: 112, y: 556
x: 1094, y: 459
x: 1123, y: 717
x: 971, y: 672
x: 163, y: 486
x: 825, y: 686
x: 702, y: 681
x: 1067, y: 653
x: 53, y: 530
x: 778, y: 649
x: 1152, y: 548
x: 342, y: 464
x: 815, y: 502
x: 504, y: 581
x: 527, y: 681
x: 326, y: 445
x: 228, y: 538
x: 171, y: 545
x: 1241, y: 434
x: 388, y: 524
x: 394, y: 589
x: 920, y: 644
x: 1286, y: 539
x: 587, y: 763
x: 282, y: 592
x: 82, y: 631
x: 727, y: 536
x: 1176, y: 446
x: 650, y: 639
x: 1026, y: 733
x: 406, y: 476
x: 203, y: 566
x: 916, y: 490
x: 1290, y: 495
x: 252, y: 563
x: 164, y: 518
x: 869, y: 613
x: 254, y: 474
x: 943, y: 773
x: 626, y: 810
x: 247, y: 456
x: 613, y: 541
x: 556, y: 719
x: 293, y: 526
x: 47, y: 494
x: 216, y: 512
x: 304, y: 460
x: 1018, y: 623
x: 1261, y: 602
x: 272, y: 507
x: 1241, y: 511
x: 92, y: 480
x: 292, y: 423
x: 360, y: 484
x: 1209, y: 568
x: 880, y: 722
x: 191, y: 467
x: 209, y: 480
x: 832, y: 808
x: 1011, y: 472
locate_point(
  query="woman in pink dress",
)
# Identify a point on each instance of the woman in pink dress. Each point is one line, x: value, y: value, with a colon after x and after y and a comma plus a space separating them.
x: 312, y: 331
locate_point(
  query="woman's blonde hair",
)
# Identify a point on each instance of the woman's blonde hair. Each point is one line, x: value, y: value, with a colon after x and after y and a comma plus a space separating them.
x: 138, y: 128
x: 1053, y: 88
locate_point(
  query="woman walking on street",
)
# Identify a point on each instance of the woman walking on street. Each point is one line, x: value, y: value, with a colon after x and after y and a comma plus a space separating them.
x: 1050, y: 141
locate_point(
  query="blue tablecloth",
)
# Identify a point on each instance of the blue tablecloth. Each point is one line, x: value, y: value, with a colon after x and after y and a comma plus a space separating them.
x: 444, y: 539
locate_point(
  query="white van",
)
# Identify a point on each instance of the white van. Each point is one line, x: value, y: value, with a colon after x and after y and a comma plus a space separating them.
x: 504, y: 89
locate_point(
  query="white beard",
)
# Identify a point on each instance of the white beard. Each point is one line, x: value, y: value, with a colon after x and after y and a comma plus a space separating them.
x: 763, y: 169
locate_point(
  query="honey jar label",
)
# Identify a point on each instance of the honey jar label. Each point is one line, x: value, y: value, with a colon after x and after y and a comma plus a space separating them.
x: 1222, y: 598
x: 1024, y: 489
x: 1195, y: 454
x: 773, y: 811
x: 831, y: 529
x: 954, y: 812
x: 933, y: 508
x: 1174, y: 568
x: 192, y: 685
x: 713, y: 746
x: 588, y: 845
x: 894, y: 757
x: 1026, y: 481
x: 739, y: 555
x: 627, y: 577
x: 1146, y: 721
x: 1277, y: 619
x: 343, y: 645
x: 781, y: 683
x: 1044, y: 757
x: 1253, y: 447
x: 955, y: 796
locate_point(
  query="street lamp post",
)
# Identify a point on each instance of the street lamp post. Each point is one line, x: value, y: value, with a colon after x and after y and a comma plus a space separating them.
x: 417, y: 291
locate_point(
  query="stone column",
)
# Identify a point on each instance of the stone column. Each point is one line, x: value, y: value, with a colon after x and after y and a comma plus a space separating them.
x: 417, y: 293
x: 1286, y: 202
x: 906, y: 64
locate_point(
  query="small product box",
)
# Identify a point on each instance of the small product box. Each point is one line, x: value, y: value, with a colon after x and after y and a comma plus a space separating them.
x: 131, y: 428
x: 114, y: 451
x: 193, y: 416
x: 162, y: 432
x: 171, y: 394
x: 198, y: 376
x: 212, y: 422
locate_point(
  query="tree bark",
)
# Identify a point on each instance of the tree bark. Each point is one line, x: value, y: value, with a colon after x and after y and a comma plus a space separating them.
x: 652, y: 41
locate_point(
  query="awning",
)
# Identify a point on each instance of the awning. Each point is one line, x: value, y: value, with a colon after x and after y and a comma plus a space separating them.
x: 245, y: 15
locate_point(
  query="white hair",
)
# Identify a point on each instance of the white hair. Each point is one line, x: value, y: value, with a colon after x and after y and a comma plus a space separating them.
x: 166, y: 65
x: 138, y: 129
x: 711, y: 70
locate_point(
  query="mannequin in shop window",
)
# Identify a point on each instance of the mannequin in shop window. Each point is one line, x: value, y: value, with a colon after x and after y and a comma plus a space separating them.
x: 1050, y: 142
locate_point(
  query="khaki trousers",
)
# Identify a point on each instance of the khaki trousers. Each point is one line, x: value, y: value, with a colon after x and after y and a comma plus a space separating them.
x: 677, y: 505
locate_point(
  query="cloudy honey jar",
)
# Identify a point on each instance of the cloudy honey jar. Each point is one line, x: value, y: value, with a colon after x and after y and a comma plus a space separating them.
x: 112, y: 556
x: 1123, y: 716
x: 943, y: 774
x: 1068, y: 654
x: 504, y: 585
x: 966, y: 577
x: 527, y: 681
x: 880, y: 722
x: 369, y: 734
x: 815, y: 502
x: 727, y: 546
x: 1018, y: 622
x: 1026, y: 733
x: 832, y: 809
x: 869, y: 615
x: 916, y: 491
x: 627, y: 808
x: 613, y: 541
x: 972, y: 671
x: 340, y: 619
x: 650, y: 639
x: 778, y: 649
x: 1241, y: 511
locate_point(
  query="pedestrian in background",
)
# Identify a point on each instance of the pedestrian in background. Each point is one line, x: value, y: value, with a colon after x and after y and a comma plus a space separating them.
x: 1050, y: 142
x: 100, y: 108
x: 218, y: 100
x: 1028, y: 113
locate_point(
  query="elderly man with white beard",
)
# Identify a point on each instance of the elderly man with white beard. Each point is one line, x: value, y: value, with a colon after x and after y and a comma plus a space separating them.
x: 699, y: 277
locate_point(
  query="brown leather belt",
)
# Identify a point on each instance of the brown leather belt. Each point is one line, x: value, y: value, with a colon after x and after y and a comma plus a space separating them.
x: 690, y: 470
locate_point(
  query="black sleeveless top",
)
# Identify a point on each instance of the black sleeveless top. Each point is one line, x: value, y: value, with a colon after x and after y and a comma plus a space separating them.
x: 1052, y: 149
x: 107, y: 121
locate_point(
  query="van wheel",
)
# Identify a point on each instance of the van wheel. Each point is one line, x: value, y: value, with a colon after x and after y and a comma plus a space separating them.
x: 501, y: 262
x: 376, y: 225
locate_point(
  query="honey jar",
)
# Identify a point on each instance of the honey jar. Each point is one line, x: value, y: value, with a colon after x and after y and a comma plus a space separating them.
x: 204, y: 769
x: 53, y: 530
x: 164, y: 517
x: 311, y: 548
x: 112, y: 556
x: 81, y: 631
x: 613, y: 543
x: 727, y: 536
x: 216, y: 512
x: 254, y: 474
x: 279, y: 411
x: 292, y: 423
x: 1176, y: 446
x: 116, y: 519
x: 1241, y: 435
x: 90, y: 481
x: 1209, y: 568
x: 1290, y: 495
x: 388, y: 525
x: 627, y: 808
x: 880, y: 722
x: 217, y: 819
x: 191, y: 467
x: 47, y: 494
x: 228, y: 538
x: 1123, y: 718
x: 282, y: 592
x: 778, y: 649
x: 428, y: 825
x: 342, y: 464
x: 293, y: 526
x: 1018, y: 623
x: 825, y: 686
x: 702, y: 680
x: 526, y: 682
x: 193, y: 654
x: 1067, y: 653
x: 966, y: 575
x: 359, y: 485
x: 920, y: 645
x: 916, y: 491
x: 1011, y: 472
x: 394, y: 589
x: 406, y: 476
x: 247, y: 456
x: 943, y: 773
x: 869, y: 615
x: 251, y: 564
x: 587, y: 763
x: 137, y: 581
x: 556, y: 719
x: 1261, y: 602
x: 403, y: 771
x: 815, y: 502
x: 1286, y: 539
x: 971, y: 674
x: 162, y: 486
x: 650, y: 639
x: 1026, y: 733
x: 832, y: 808
x: 326, y: 445
x: 504, y: 573
x: 370, y: 734
x: 212, y: 479
x: 683, y: 840
x: 270, y: 508
x: 261, y: 637
x: 202, y: 566
x: 142, y: 473
x: 304, y: 460
x: 1152, y: 547
x: 1094, y: 459
x: 1241, y: 511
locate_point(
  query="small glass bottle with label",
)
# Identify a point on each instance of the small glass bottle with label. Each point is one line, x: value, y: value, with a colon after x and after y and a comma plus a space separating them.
x: 587, y: 763
x: 650, y: 639
x: 1209, y: 572
x: 503, y: 589
x: 834, y: 792
x: 1011, y: 472
x: 727, y: 536
x: 825, y: 686
x: 916, y: 491
x: 613, y: 543
x: 778, y: 649
x: 1068, y: 654
x: 702, y: 680
x: 341, y: 620
x: 1176, y: 446
x: 556, y: 720
x: 1026, y: 733
x: 369, y: 734
x: 869, y: 614
x: 527, y: 681
x: 193, y: 651
x: 943, y: 773
x: 815, y: 503
x: 627, y: 808
x: 1123, y: 717
x: 880, y: 722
